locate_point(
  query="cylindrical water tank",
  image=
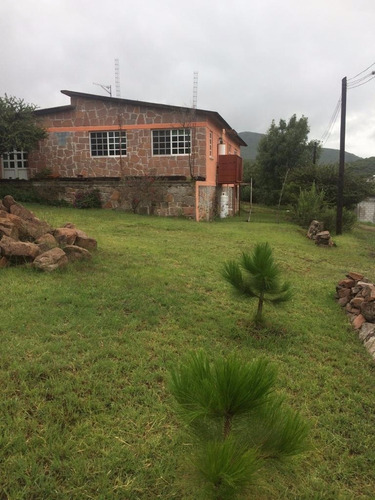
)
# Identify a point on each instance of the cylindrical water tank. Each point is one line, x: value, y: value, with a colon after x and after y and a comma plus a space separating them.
x: 222, y: 149
x: 224, y: 205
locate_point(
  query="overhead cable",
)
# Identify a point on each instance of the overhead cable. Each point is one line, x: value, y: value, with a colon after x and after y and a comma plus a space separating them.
x: 354, y: 86
x: 352, y: 78
x: 331, y: 124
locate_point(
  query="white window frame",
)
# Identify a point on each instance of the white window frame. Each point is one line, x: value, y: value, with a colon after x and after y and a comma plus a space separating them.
x: 15, y: 159
x: 112, y: 143
x: 171, y: 142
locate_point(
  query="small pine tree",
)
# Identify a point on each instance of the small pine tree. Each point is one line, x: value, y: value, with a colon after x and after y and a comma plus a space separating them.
x: 261, y: 278
x: 236, y: 420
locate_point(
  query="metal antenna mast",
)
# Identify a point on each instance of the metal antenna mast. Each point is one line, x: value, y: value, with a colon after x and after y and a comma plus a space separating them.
x: 117, y: 78
x: 195, y: 90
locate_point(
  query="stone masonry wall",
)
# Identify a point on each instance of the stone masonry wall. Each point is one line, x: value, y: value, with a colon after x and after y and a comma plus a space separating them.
x: 145, y: 195
x: 66, y: 151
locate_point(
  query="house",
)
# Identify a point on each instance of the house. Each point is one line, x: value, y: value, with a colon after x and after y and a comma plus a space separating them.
x: 366, y: 210
x: 152, y: 158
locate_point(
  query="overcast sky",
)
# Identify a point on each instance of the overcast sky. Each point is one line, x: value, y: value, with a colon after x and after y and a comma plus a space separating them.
x: 257, y: 60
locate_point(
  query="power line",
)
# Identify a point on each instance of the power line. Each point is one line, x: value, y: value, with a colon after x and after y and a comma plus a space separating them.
x: 331, y: 123
x: 352, y: 78
x: 359, y: 80
x: 350, y: 87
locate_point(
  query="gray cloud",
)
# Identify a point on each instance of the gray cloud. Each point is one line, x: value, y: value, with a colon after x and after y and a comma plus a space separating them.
x: 257, y: 60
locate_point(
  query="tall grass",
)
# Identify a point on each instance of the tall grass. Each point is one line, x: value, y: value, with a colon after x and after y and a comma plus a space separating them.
x: 85, y: 352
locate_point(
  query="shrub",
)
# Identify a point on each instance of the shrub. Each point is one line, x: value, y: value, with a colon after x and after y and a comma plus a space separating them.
x: 235, y: 419
x: 88, y: 199
x: 328, y: 217
x: 261, y: 278
x: 310, y: 205
x: 28, y: 194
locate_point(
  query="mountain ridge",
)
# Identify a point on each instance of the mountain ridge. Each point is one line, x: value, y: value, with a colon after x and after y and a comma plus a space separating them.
x: 327, y: 156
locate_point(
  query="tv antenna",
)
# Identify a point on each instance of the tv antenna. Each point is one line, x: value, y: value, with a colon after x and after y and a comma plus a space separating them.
x: 117, y: 78
x: 107, y: 88
x: 195, y: 90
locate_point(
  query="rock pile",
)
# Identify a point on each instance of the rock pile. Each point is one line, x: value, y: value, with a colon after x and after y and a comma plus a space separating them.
x: 25, y: 238
x: 316, y: 232
x: 356, y: 294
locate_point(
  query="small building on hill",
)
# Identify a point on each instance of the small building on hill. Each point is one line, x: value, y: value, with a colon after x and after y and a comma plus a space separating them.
x: 146, y: 157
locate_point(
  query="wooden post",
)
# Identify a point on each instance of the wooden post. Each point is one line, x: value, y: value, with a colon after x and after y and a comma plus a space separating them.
x: 340, y: 181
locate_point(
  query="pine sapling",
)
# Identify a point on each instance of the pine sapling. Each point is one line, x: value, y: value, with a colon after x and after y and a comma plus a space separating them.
x: 257, y: 275
x: 235, y: 420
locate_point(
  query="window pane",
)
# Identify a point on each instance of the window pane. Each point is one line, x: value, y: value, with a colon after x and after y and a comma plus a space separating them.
x: 108, y: 143
x: 173, y: 141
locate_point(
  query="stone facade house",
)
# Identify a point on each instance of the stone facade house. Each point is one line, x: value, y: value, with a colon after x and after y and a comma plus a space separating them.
x: 148, y: 157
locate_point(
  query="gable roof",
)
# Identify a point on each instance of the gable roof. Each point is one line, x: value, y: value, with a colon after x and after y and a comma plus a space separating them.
x: 213, y: 115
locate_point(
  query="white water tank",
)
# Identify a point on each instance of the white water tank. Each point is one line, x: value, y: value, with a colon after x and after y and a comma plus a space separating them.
x: 224, y: 205
x: 222, y: 149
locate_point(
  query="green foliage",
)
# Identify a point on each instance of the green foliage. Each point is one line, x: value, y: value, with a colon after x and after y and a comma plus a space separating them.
x: 356, y: 187
x: 251, y: 171
x: 284, y: 147
x: 364, y: 168
x: 27, y: 194
x: 236, y: 419
x: 310, y: 206
x: 19, y: 128
x: 87, y: 199
x: 261, y: 278
x: 328, y: 217
x: 226, y: 467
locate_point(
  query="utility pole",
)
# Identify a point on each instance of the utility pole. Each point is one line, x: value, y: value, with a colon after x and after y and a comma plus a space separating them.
x: 340, y: 182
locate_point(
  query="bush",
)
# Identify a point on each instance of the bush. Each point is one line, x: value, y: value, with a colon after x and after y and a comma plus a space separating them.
x: 28, y: 194
x: 310, y: 206
x: 328, y: 217
x: 88, y: 199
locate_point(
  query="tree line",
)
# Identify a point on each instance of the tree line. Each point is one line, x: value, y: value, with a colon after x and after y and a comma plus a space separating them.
x: 287, y: 164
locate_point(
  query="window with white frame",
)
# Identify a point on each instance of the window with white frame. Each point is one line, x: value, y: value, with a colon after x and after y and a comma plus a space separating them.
x: 111, y: 143
x: 15, y: 159
x: 171, y: 141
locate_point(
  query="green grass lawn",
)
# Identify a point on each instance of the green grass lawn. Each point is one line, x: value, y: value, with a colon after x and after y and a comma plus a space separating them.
x: 85, y: 355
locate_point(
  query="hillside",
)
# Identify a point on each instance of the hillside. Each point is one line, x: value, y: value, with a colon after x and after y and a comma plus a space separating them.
x: 328, y: 155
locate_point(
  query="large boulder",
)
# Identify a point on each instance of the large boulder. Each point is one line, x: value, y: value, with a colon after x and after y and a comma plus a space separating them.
x: 8, y: 201
x: 51, y: 260
x: 28, y: 230
x: 84, y: 241
x: 65, y: 236
x: 368, y: 311
x: 18, y: 250
x: 75, y: 253
x: 46, y: 242
x: 21, y: 211
x: 7, y: 228
x: 324, y: 239
x: 315, y: 228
